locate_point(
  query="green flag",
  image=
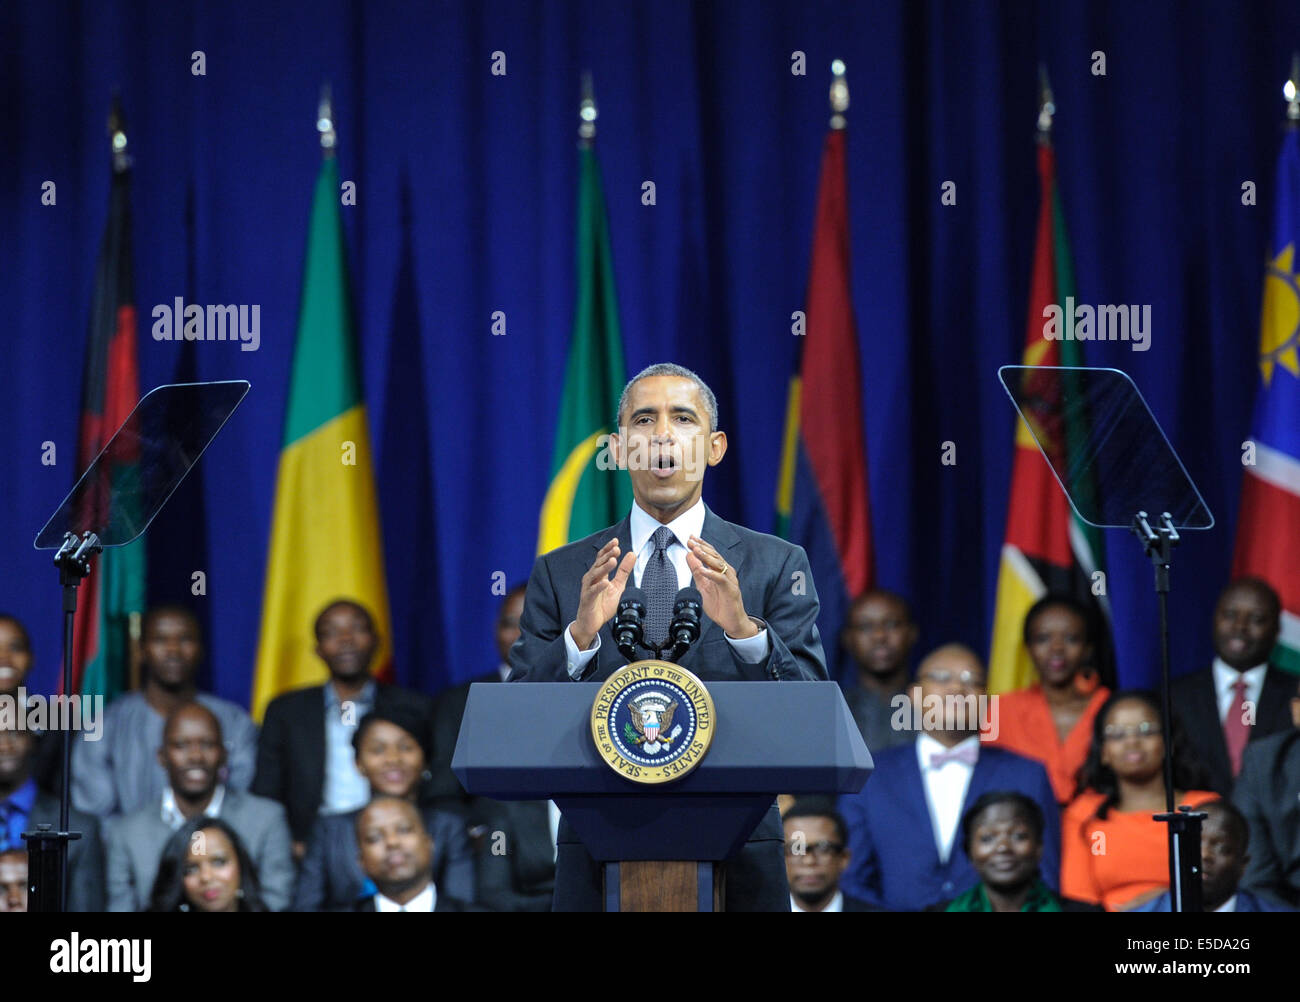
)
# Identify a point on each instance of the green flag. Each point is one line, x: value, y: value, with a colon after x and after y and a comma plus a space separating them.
x: 585, y: 494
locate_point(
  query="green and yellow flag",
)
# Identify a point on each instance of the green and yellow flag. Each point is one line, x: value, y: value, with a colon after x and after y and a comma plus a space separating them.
x: 325, y: 537
x: 583, y: 497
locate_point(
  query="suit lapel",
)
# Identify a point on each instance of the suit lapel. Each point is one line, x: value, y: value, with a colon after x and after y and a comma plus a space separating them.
x: 722, y: 536
x: 1274, y: 703
x: 912, y: 798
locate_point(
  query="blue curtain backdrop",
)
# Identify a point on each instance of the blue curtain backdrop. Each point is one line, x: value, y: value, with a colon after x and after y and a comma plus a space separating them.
x: 700, y: 99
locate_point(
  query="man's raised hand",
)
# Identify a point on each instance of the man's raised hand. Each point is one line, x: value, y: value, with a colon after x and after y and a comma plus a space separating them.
x: 600, y: 593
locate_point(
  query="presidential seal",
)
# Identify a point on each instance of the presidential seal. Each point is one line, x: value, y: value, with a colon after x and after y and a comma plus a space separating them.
x: 652, y: 721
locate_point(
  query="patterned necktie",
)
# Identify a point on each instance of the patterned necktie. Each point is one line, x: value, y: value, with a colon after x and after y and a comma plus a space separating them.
x: 1236, y: 732
x: 659, y: 582
x: 967, y: 754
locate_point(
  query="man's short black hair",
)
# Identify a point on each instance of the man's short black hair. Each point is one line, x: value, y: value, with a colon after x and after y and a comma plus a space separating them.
x: 809, y: 808
x: 1025, y: 808
x: 351, y: 604
x: 1236, y: 823
x: 1261, y: 588
x: 670, y: 369
x: 171, y: 609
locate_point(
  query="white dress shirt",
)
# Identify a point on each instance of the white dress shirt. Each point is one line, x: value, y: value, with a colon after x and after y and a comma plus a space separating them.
x: 1228, y: 906
x: 689, y: 523
x: 172, y: 816
x: 1225, y: 676
x: 836, y: 905
x: 553, y: 822
x: 422, y: 902
x: 945, y: 790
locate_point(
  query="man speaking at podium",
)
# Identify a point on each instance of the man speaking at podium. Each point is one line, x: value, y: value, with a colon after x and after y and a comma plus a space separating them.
x: 759, y: 604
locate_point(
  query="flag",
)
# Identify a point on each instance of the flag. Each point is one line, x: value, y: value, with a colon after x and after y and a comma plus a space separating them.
x: 113, y: 595
x: 178, y: 536
x: 822, y: 500
x: 583, y: 497
x: 1268, y: 528
x: 1047, y: 548
x: 325, y: 538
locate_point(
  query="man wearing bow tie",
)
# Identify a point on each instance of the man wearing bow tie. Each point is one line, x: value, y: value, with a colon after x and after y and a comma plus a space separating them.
x: 759, y: 603
x: 903, y: 825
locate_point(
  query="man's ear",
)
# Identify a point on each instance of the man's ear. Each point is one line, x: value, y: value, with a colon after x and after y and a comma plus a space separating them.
x: 717, y: 447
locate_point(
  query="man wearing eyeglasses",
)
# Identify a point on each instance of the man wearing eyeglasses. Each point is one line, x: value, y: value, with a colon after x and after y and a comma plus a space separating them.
x: 816, y: 854
x: 903, y: 825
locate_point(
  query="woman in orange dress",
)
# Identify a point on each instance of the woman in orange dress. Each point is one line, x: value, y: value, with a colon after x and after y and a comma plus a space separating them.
x: 1112, y: 852
x: 1051, y: 721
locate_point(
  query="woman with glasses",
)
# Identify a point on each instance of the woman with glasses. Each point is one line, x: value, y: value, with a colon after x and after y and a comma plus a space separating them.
x: 1113, y: 853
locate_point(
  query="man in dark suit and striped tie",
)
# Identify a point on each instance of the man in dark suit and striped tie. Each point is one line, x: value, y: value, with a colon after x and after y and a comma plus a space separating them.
x: 759, y: 603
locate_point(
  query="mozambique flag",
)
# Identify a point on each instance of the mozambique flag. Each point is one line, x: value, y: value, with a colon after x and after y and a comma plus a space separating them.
x: 113, y: 596
x: 1047, y: 547
x: 325, y: 538
x: 1268, y: 529
x: 583, y: 497
x: 822, y: 501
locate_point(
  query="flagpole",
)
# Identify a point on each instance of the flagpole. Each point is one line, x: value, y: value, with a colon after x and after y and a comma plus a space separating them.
x: 587, y: 112
x: 1291, y: 91
x: 839, y: 95
x: 325, y: 122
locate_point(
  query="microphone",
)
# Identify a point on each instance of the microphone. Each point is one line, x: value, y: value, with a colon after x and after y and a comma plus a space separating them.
x: 685, y: 628
x: 629, y: 623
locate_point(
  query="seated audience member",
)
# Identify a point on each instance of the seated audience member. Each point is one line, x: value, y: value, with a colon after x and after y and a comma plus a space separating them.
x: 205, y: 868
x: 1051, y: 721
x: 13, y: 880
x: 192, y: 754
x: 23, y: 807
x: 816, y: 853
x: 449, y: 709
x: 1268, y: 794
x: 1112, y: 852
x: 878, y: 637
x: 903, y: 824
x: 396, y: 854
x: 515, y: 860
x: 305, y: 758
x: 1225, y: 836
x: 120, y: 773
x: 390, y: 756
x: 15, y: 663
x: 1002, y: 834
x: 1240, y: 698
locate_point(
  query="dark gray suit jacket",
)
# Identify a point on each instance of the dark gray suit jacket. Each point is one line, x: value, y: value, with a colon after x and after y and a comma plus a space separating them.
x: 777, y: 587
x: 85, y: 855
x: 522, y: 877
x: 1268, y: 793
x: 331, y: 877
x: 135, y: 844
x: 1197, y: 707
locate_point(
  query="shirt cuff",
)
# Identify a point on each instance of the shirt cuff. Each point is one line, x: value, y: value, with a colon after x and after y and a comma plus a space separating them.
x: 578, y: 660
x: 751, y: 650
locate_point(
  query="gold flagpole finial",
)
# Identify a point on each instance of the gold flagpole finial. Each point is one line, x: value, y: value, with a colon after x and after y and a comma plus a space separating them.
x: 1046, y: 105
x: 325, y: 121
x: 117, y: 135
x: 1291, y: 91
x: 839, y: 94
x: 587, y: 111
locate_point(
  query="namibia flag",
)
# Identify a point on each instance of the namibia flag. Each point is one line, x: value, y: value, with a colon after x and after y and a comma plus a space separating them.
x: 821, y: 501
x: 325, y: 538
x: 1268, y: 528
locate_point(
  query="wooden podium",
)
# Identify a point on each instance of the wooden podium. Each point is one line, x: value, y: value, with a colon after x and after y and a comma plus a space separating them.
x: 660, y: 846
